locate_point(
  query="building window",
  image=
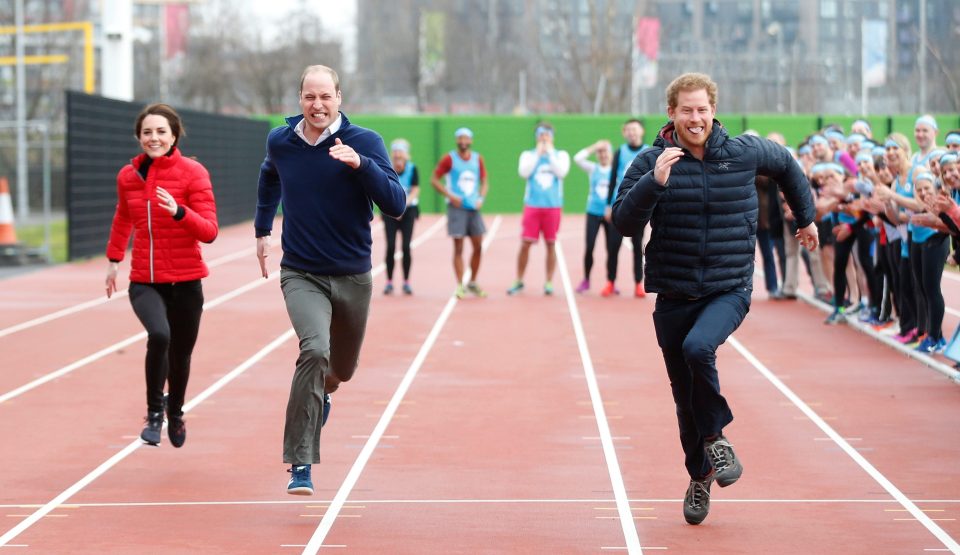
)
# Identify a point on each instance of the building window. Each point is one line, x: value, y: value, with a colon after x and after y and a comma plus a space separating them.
x: 828, y: 9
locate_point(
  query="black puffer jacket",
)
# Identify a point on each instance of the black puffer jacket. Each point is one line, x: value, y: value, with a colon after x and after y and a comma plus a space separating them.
x: 704, y: 222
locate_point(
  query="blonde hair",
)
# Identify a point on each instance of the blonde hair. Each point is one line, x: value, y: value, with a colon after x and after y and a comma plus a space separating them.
x: 902, y: 142
x: 691, y: 82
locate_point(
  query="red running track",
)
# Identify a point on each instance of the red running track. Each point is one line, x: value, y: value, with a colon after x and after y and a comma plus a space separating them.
x: 526, y: 424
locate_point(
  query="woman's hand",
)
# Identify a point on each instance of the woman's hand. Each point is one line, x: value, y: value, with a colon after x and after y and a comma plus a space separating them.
x: 166, y: 201
x: 112, y: 269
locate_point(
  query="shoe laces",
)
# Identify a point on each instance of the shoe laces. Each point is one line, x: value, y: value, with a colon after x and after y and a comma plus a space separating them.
x: 697, y: 494
x: 302, y: 474
x: 718, y: 451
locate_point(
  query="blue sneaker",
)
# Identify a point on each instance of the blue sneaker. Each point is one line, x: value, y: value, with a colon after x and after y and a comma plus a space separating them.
x: 939, y: 346
x: 300, y: 483
x: 326, y: 409
x: 925, y: 346
x: 837, y: 317
x: 515, y: 288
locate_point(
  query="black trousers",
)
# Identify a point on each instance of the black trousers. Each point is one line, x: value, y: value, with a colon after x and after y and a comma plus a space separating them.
x: 170, y: 312
x: 614, y: 240
x: 689, y: 333
x: 594, y: 224
x: 927, y: 260
x: 405, y: 226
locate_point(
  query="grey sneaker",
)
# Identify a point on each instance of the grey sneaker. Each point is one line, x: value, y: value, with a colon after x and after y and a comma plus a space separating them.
x: 726, y: 466
x: 696, y: 503
x: 151, y: 430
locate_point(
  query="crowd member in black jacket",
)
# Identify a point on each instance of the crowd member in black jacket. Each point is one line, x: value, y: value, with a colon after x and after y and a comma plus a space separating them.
x: 696, y: 188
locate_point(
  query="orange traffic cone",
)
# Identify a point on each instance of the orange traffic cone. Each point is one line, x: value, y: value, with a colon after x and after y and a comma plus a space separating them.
x: 8, y: 235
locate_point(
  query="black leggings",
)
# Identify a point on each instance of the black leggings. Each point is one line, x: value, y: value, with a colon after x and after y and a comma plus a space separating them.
x: 594, y: 223
x: 405, y: 226
x: 170, y: 312
x: 927, y: 260
x: 862, y: 238
x: 614, y: 240
x: 904, y: 289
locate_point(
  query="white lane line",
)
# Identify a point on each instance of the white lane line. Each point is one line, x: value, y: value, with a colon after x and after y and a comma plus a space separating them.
x: 886, y: 484
x: 101, y: 300
x: 134, y: 445
x: 212, y: 304
x: 326, y: 523
x: 219, y: 261
x: 128, y: 341
x: 606, y: 438
x: 319, y: 503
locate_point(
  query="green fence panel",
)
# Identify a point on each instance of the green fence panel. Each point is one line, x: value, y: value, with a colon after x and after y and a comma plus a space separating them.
x: 501, y: 138
x: 904, y: 124
x: 879, y: 125
x: 794, y: 128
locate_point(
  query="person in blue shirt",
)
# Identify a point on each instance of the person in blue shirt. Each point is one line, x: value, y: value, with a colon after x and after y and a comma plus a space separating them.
x: 598, y: 215
x: 543, y: 168
x: 328, y: 173
x: 461, y: 177
x: 622, y: 158
x: 410, y: 181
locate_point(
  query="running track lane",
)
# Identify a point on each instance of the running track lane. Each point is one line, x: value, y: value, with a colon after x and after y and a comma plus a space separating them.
x: 766, y: 428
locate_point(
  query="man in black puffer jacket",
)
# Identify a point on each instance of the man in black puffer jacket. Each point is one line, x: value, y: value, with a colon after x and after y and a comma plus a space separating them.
x: 696, y: 188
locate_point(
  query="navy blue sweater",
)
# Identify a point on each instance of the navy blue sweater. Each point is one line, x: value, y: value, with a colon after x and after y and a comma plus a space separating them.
x: 327, y: 205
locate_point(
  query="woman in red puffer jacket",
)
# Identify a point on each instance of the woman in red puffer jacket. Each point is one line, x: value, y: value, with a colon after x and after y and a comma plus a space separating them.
x: 166, y: 200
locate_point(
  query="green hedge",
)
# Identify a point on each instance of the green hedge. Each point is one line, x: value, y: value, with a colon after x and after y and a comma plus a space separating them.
x: 501, y: 139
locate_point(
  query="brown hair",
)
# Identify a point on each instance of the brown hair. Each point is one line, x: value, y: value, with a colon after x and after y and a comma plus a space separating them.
x: 165, y: 110
x: 310, y: 69
x: 691, y: 82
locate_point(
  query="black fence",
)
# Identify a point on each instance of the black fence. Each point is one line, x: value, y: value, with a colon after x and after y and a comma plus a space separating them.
x: 100, y: 140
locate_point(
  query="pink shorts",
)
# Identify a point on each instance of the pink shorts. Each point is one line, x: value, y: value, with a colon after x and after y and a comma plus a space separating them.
x: 541, y: 220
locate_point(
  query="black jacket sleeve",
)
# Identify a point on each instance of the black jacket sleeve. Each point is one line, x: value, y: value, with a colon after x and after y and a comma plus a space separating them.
x: 776, y: 162
x: 638, y: 196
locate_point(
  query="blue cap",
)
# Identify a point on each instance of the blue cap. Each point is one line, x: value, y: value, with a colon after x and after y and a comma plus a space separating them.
x: 825, y: 166
x: 818, y: 139
x: 878, y: 151
x: 463, y: 131
x: 924, y: 176
x: 891, y: 143
x: 863, y: 122
x: 952, y: 139
x: 400, y: 145
x: 835, y: 135
x: 541, y: 130
x: 864, y: 156
x: 856, y: 138
x: 805, y: 149
x: 926, y: 120
x: 949, y: 158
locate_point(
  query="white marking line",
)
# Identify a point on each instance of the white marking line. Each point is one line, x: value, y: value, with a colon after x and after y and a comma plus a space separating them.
x: 212, y: 304
x: 128, y: 341
x: 606, y: 439
x: 101, y: 300
x: 313, y: 503
x: 134, y: 445
x: 320, y: 534
x: 886, y: 484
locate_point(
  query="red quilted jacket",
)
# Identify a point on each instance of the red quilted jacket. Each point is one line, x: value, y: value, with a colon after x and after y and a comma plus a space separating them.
x: 165, y: 249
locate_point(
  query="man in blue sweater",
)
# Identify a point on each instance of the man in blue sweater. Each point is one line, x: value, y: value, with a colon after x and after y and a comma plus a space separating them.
x: 328, y: 173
